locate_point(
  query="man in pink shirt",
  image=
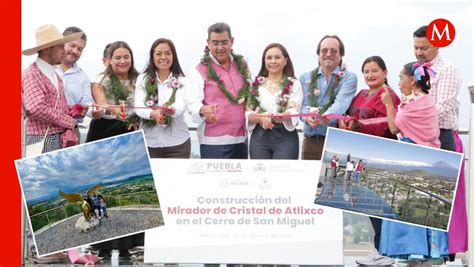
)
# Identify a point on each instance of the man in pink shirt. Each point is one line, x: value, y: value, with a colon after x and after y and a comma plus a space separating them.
x: 215, y: 97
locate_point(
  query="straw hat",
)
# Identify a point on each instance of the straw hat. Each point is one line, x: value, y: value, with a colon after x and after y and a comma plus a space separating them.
x: 48, y: 36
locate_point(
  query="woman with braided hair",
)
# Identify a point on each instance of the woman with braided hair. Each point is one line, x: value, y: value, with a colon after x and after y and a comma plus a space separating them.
x: 417, y: 122
x: 416, y: 117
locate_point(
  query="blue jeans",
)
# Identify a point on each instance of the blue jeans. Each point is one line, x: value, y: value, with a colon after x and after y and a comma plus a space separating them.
x: 357, y: 177
x: 104, y: 211
x: 349, y: 175
x: 277, y: 143
x: 98, y: 208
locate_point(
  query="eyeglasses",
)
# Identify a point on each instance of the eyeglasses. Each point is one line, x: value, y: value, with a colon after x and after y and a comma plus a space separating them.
x: 332, y: 51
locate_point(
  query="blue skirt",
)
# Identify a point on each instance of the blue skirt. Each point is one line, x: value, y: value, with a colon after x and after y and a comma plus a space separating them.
x: 412, y: 242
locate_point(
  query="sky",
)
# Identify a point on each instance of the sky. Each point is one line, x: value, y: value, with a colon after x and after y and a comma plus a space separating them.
x: 377, y: 28
x: 382, y: 150
x: 107, y: 160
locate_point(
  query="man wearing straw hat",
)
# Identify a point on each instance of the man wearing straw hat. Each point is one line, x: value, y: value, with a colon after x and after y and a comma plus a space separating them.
x: 43, y: 96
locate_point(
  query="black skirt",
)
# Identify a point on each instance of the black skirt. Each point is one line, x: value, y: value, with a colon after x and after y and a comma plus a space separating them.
x: 103, y: 128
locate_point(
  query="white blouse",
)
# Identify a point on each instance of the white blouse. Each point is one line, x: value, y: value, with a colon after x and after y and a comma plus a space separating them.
x: 269, y: 101
x: 161, y: 135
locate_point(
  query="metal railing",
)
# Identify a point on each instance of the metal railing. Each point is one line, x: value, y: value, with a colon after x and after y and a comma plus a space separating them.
x: 48, y: 217
x: 410, y: 196
x: 439, y: 213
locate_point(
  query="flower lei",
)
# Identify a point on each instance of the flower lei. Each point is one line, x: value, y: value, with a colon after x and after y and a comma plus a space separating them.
x: 116, y: 90
x: 314, y: 92
x: 242, y: 67
x: 151, y: 99
x: 119, y: 93
x: 254, y: 95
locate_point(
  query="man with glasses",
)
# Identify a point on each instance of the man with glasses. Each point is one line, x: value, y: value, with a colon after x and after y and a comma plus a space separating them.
x: 215, y: 97
x: 328, y: 89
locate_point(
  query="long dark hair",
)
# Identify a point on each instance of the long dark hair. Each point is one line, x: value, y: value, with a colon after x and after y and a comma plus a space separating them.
x: 379, y: 61
x: 132, y: 72
x: 287, y: 70
x: 424, y: 83
x: 175, y: 67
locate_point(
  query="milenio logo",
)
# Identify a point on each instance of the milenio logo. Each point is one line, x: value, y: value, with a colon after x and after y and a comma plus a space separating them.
x: 440, y: 32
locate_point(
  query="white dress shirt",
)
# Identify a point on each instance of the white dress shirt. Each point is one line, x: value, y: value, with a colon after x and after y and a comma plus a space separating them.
x: 77, y: 87
x: 161, y: 135
x: 48, y: 70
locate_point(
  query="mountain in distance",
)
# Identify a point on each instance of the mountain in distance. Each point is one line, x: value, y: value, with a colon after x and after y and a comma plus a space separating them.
x: 445, y: 169
x: 129, y: 179
x: 439, y: 168
x: 83, y: 188
x: 443, y: 164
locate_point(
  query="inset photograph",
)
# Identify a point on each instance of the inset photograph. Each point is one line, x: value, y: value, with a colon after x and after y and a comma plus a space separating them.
x: 388, y: 179
x: 89, y: 193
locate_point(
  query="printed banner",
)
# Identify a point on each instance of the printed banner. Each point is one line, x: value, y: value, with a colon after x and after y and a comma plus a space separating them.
x: 242, y: 211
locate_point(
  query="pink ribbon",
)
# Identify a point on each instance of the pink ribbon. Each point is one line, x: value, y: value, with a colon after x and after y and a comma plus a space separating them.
x: 346, y: 118
x: 373, y: 121
x: 123, y: 107
x: 301, y: 115
x: 77, y: 259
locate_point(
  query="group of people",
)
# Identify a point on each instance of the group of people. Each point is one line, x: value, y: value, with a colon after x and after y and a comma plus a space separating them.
x: 351, y: 167
x: 225, y: 102
x: 218, y: 94
x: 91, y: 204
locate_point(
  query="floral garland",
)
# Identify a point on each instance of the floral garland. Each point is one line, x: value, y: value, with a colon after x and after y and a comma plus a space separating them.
x: 151, y: 99
x: 242, y: 67
x: 117, y: 91
x: 315, y: 92
x: 254, y: 95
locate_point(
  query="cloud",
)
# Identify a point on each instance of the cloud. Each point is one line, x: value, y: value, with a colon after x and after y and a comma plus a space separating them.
x: 399, y: 162
x: 107, y: 160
